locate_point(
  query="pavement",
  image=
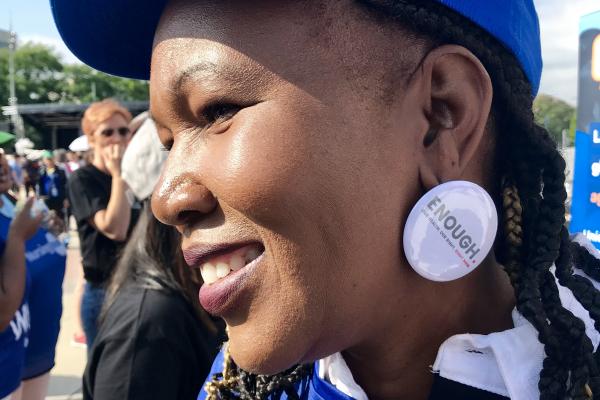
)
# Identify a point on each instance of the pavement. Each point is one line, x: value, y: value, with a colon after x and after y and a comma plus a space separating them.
x: 65, y: 378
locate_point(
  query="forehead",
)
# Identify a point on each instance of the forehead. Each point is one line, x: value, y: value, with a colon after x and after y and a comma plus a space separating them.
x: 310, y: 44
x: 115, y: 120
x: 227, y: 37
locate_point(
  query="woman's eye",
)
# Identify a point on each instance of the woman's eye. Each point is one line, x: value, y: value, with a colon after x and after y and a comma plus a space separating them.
x: 220, y: 112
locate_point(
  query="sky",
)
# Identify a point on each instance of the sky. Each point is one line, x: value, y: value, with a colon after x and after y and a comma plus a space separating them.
x: 559, y: 19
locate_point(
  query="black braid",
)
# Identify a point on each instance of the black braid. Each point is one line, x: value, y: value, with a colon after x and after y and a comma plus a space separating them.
x: 528, y: 158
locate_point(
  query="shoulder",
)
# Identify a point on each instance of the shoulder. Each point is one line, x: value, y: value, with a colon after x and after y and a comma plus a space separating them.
x: 140, y: 308
x: 82, y: 174
x: 166, y: 306
x: 90, y: 181
x: 121, y: 318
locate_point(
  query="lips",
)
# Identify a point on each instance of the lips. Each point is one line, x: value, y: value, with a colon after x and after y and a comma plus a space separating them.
x: 224, y: 269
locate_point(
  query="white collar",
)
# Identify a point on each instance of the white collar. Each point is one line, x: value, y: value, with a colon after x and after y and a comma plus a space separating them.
x: 507, y: 363
x: 334, y: 370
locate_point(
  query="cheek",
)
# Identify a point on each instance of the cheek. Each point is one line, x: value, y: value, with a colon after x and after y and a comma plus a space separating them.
x: 269, y: 162
x: 98, y: 142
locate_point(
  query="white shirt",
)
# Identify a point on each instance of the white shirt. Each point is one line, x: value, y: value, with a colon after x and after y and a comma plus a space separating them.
x: 507, y: 363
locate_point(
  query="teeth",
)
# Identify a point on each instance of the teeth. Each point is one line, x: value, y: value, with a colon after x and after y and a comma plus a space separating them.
x: 209, y: 273
x: 222, y: 270
x: 213, y: 272
x: 236, y: 263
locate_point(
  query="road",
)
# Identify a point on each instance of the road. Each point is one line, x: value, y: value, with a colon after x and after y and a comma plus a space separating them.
x: 65, y: 381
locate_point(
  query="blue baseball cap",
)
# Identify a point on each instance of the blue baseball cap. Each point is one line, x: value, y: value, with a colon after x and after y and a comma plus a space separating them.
x: 116, y: 36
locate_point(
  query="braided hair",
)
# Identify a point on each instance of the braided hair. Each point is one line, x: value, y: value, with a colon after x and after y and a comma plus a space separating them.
x: 533, y: 244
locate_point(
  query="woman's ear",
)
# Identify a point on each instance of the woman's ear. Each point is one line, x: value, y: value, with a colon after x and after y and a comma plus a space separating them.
x: 453, y: 92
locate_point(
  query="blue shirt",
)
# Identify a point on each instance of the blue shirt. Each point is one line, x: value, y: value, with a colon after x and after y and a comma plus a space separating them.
x: 310, y: 388
x: 14, y: 339
x: 45, y: 259
x: 27, y: 347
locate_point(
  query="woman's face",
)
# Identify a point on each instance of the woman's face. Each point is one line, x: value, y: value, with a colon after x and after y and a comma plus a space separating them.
x: 114, y: 130
x: 291, y: 138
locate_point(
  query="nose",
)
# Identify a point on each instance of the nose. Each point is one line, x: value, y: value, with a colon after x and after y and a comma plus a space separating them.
x: 179, y: 198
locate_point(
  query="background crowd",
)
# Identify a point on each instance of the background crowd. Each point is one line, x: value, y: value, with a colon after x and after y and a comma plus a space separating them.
x: 138, y: 307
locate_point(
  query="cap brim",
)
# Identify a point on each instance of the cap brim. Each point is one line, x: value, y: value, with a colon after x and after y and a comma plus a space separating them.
x: 113, y: 36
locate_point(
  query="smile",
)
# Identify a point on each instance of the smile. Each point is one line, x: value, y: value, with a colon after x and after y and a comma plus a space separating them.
x: 219, y: 267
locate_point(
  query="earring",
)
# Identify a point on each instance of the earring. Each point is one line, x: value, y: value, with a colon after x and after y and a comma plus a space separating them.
x: 450, y: 231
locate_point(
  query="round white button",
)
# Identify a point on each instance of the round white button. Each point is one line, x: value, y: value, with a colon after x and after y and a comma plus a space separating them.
x: 450, y: 231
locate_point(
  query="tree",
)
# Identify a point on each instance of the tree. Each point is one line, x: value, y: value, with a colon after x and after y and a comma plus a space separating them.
x: 82, y: 84
x: 555, y: 115
x: 42, y: 77
x: 38, y: 72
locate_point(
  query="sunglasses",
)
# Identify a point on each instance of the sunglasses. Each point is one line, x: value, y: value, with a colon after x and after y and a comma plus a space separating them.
x: 123, y: 131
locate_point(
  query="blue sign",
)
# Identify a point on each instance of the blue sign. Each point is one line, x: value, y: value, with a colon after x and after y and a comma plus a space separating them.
x: 585, y: 205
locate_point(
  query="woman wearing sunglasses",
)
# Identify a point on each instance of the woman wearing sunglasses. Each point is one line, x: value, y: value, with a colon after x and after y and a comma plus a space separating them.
x: 100, y: 204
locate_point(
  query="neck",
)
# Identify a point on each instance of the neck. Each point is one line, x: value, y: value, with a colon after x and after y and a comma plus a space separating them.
x: 98, y: 162
x: 395, y: 361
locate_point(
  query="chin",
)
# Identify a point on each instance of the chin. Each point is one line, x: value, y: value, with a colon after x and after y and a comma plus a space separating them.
x: 261, y: 361
x: 268, y: 353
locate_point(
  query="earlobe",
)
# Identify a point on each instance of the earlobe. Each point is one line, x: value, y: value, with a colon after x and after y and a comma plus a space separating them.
x: 442, y: 161
x: 456, y: 95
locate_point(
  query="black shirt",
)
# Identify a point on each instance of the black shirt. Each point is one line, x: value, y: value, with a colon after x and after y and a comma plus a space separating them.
x: 150, y: 346
x: 445, y: 389
x: 89, y: 192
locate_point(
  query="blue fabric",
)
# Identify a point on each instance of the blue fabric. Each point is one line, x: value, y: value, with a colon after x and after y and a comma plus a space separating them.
x: 46, y: 259
x: 50, y: 184
x: 91, y: 306
x: 310, y: 388
x: 15, y: 338
x: 100, y: 43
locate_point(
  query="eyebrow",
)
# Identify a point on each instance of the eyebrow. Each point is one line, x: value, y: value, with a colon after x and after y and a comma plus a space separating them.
x: 200, y: 71
x: 237, y: 76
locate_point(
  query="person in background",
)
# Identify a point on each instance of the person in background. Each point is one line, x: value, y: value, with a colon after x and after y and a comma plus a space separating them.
x: 154, y: 339
x: 99, y: 202
x: 53, y: 185
x: 31, y: 174
x: 72, y: 163
x: 137, y: 122
x: 31, y: 272
x: 15, y: 163
x: 60, y: 159
x: 46, y: 257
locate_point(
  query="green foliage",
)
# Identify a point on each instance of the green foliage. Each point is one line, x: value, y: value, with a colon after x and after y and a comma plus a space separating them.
x: 555, y: 115
x: 82, y: 84
x: 37, y: 73
x: 42, y: 77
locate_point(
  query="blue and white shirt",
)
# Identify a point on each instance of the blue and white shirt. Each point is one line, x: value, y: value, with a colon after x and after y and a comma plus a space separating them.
x: 14, y: 339
x: 27, y: 347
